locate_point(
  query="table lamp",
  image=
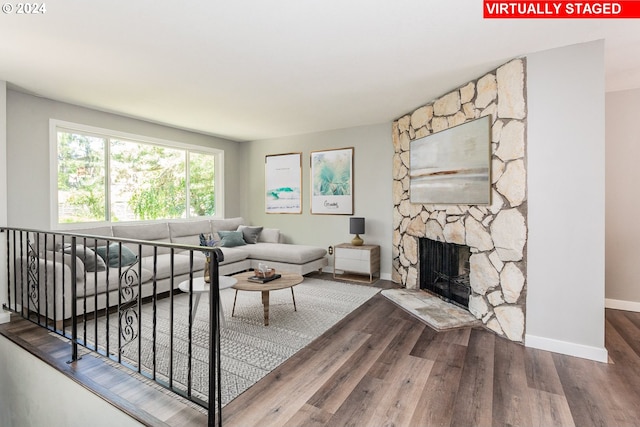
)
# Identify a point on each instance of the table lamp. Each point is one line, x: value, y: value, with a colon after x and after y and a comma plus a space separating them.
x: 356, y: 226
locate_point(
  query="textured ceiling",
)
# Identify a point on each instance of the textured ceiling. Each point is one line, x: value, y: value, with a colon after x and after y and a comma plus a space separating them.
x: 246, y: 70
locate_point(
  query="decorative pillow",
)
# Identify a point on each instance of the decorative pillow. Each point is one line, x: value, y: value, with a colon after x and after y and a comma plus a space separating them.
x: 229, y: 239
x: 115, y: 260
x: 270, y: 235
x: 88, y: 257
x: 250, y: 234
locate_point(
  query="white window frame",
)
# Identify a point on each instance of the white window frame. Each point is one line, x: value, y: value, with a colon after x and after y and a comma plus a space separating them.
x: 60, y: 125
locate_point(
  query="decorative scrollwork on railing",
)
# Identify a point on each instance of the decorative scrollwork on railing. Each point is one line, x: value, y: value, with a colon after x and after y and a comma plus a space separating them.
x: 128, y: 326
x: 32, y: 273
x: 129, y: 283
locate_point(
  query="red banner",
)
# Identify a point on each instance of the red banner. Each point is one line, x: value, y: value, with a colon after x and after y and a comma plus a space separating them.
x: 501, y: 9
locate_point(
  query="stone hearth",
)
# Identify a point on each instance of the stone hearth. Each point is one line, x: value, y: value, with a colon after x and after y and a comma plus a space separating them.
x: 435, y: 312
x: 497, y: 233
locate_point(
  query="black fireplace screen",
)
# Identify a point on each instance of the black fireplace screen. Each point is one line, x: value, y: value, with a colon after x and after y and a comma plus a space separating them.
x: 444, y: 270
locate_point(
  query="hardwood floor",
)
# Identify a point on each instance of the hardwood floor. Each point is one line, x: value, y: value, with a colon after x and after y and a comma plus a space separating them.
x: 382, y: 367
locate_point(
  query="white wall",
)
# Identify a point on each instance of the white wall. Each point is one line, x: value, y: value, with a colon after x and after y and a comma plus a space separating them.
x: 622, y: 200
x: 373, y: 154
x: 4, y: 317
x: 566, y: 178
x: 28, y: 148
x: 34, y: 394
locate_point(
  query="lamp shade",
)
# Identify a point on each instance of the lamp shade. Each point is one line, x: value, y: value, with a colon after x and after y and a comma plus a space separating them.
x: 356, y: 225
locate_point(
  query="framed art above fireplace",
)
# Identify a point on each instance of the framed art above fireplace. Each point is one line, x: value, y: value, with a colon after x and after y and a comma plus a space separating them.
x: 452, y: 166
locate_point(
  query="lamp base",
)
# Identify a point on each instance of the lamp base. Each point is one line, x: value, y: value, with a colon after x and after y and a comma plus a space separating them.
x: 357, y: 241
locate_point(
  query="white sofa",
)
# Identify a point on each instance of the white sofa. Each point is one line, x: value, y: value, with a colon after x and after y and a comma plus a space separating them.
x: 151, y: 270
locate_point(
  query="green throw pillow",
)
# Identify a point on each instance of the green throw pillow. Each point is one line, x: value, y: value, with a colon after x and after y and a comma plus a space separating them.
x: 229, y: 239
x: 115, y: 260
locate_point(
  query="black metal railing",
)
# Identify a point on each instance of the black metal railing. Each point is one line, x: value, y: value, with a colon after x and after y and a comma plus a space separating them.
x: 131, y: 312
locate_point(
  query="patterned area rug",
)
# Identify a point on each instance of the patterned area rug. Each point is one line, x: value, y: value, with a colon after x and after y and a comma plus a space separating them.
x: 249, y: 350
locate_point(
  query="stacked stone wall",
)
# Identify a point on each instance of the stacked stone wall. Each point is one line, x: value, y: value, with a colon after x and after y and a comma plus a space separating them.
x: 496, y: 233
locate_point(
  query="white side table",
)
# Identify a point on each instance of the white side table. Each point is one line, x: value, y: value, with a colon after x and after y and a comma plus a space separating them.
x: 200, y: 287
x: 360, y: 260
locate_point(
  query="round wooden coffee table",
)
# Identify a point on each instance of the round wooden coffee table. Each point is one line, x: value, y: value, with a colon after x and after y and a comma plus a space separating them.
x: 288, y: 280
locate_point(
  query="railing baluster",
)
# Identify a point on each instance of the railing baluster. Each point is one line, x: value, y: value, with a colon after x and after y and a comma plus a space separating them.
x: 46, y: 278
x: 190, y: 331
x: 74, y: 292
x: 84, y: 295
x: 140, y: 317
x: 95, y: 295
x: 22, y: 275
x: 171, y: 278
x: 155, y: 296
x: 54, y: 293
x: 37, y: 252
x: 215, y: 371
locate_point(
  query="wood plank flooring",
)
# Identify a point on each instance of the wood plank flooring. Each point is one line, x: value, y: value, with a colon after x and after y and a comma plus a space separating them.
x: 382, y: 367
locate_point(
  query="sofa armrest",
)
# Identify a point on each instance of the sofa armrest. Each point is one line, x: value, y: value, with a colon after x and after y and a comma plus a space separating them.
x: 44, y: 286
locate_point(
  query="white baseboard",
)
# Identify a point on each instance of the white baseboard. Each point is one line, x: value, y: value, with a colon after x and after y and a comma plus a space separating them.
x: 622, y: 305
x: 599, y: 354
x: 5, y: 316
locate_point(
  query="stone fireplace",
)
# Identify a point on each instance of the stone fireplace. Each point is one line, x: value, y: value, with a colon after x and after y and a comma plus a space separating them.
x: 495, y: 234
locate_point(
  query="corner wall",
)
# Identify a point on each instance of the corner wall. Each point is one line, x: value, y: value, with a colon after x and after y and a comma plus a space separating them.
x: 622, y: 200
x: 566, y: 181
x: 4, y: 317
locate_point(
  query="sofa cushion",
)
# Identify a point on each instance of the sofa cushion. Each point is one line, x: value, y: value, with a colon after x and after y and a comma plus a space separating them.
x: 91, y: 260
x: 187, y: 232
x: 90, y: 288
x: 232, y: 255
x: 250, y: 234
x: 228, y: 224
x: 90, y: 243
x: 282, y: 252
x: 269, y: 235
x: 231, y: 239
x: 149, y: 232
x: 181, y: 264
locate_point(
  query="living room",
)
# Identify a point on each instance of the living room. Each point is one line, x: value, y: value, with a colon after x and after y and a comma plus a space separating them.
x: 568, y: 209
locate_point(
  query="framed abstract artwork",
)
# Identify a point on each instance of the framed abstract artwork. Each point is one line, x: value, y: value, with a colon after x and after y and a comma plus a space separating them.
x: 283, y: 183
x: 452, y: 166
x: 332, y: 181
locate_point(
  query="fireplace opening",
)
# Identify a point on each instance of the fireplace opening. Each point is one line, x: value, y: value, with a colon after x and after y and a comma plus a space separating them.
x: 444, y: 270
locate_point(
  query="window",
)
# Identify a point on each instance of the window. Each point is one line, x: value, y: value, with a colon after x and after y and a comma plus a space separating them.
x: 103, y: 176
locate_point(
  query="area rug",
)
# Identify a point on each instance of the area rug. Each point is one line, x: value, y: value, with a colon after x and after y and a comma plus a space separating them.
x: 249, y: 350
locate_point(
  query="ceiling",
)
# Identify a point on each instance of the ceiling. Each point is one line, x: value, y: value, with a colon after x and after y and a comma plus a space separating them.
x: 245, y: 70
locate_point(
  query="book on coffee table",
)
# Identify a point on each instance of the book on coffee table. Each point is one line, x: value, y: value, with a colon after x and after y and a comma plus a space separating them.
x: 263, y: 279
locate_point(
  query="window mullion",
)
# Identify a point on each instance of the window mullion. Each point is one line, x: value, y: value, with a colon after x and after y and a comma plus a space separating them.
x: 187, y: 183
x: 107, y: 179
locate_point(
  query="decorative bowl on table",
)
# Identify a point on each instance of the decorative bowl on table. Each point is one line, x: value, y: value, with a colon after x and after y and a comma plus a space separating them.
x: 264, y: 273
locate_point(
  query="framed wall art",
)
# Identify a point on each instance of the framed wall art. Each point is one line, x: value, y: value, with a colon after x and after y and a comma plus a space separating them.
x: 332, y: 181
x: 452, y: 166
x: 283, y: 183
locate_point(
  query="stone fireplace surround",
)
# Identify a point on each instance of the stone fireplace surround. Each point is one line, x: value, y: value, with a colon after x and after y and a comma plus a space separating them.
x: 497, y: 233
